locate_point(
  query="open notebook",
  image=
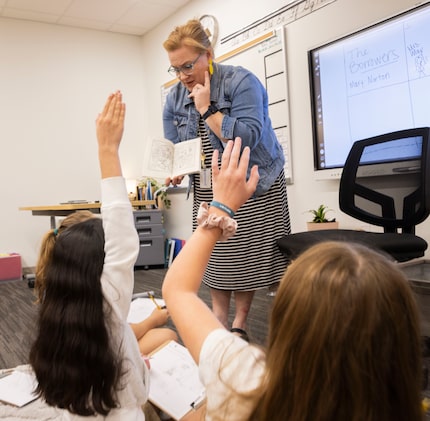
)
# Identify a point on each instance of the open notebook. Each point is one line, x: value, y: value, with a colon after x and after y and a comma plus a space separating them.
x: 17, y: 387
x: 175, y: 386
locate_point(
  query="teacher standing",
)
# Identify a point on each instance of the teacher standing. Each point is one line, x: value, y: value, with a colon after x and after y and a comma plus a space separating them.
x: 216, y: 103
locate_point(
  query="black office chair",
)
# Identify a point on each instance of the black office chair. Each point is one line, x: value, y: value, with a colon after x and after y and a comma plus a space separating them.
x: 385, y: 182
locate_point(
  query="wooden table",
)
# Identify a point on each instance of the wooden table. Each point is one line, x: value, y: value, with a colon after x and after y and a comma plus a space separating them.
x: 68, y: 208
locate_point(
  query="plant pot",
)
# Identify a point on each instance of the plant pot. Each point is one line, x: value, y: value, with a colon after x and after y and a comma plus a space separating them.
x: 160, y: 203
x: 315, y: 226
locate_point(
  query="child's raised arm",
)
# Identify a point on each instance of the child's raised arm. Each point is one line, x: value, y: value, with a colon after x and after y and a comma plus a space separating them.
x: 193, y: 319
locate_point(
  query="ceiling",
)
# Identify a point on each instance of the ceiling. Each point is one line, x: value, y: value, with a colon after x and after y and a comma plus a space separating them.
x: 135, y: 17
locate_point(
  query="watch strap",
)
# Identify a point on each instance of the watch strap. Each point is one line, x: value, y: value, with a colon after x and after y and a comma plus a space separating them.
x: 211, y: 110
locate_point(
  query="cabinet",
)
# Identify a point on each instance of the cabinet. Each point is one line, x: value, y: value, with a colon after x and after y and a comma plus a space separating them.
x: 149, y: 226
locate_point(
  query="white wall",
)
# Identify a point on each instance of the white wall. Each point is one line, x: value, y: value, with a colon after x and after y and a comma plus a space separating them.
x: 54, y: 81
x: 332, y: 21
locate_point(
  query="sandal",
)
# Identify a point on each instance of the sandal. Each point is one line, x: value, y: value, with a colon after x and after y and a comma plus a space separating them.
x: 241, y: 333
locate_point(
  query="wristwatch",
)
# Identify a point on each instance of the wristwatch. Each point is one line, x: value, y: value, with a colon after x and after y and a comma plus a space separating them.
x: 211, y: 110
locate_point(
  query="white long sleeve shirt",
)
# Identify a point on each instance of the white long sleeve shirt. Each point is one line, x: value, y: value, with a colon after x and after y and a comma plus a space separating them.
x: 121, y: 250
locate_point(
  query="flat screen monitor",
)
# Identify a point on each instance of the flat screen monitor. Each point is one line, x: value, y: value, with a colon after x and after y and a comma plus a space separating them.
x: 371, y: 82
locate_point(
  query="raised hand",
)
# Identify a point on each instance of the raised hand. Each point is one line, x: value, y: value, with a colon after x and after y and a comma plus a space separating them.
x: 109, y: 130
x: 229, y: 182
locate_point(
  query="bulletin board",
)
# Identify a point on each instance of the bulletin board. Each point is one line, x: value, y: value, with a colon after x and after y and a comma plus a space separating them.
x: 265, y: 56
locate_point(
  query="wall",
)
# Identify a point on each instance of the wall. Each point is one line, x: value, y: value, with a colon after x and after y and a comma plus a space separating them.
x: 332, y: 21
x: 54, y: 81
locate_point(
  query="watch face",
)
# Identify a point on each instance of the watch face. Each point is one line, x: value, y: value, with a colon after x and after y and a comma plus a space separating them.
x: 210, y: 24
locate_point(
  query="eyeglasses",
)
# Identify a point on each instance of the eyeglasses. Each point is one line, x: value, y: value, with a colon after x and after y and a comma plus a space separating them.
x: 186, y: 69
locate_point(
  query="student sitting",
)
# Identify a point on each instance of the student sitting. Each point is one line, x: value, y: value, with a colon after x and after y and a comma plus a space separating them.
x: 344, y: 335
x: 85, y: 356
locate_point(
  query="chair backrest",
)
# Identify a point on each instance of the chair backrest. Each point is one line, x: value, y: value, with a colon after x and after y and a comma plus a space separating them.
x: 386, y: 180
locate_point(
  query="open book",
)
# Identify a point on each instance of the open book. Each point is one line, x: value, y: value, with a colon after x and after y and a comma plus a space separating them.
x: 164, y: 158
x: 174, y: 377
x: 17, y: 388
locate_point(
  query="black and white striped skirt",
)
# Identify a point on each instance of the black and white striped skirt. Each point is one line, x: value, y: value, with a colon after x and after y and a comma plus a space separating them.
x: 251, y: 259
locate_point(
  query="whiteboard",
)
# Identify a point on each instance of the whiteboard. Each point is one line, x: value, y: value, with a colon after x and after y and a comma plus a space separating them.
x: 265, y: 56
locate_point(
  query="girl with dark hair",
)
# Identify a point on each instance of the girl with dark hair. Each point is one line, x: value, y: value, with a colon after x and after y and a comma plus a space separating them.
x: 85, y: 356
x: 150, y: 332
x: 47, y: 246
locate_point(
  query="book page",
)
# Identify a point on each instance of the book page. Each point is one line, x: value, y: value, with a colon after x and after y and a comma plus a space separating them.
x: 187, y: 157
x: 174, y: 380
x: 17, y: 388
x: 165, y: 159
x: 158, y: 158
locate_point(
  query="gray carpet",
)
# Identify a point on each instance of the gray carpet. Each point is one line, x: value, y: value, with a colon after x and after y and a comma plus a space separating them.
x: 18, y: 314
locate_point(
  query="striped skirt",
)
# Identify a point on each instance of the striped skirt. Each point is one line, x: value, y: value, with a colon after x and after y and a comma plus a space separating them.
x: 251, y: 259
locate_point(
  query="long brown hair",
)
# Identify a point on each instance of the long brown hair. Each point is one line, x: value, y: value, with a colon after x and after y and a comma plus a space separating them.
x: 47, y: 246
x: 344, y: 340
x: 72, y: 356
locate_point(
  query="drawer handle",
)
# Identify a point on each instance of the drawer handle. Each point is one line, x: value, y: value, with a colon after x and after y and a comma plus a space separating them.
x: 146, y: 243
x: 145, y: 231
x: 143, y: 218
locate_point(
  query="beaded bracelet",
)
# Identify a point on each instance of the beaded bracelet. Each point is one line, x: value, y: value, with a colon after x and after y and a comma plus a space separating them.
x: 206, y: 220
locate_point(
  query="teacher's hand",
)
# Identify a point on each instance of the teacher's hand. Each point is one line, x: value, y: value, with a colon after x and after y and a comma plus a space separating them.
x: 173, y: 181
x: 201, y: 95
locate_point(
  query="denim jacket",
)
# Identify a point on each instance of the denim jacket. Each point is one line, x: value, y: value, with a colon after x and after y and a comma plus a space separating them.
x: 241, y: 97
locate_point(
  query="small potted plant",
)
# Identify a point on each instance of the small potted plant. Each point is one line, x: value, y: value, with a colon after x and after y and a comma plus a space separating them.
x: 320, y: 220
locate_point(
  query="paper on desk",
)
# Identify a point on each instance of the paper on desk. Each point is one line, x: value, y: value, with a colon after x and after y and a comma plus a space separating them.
x: 141, y: 308
x: 17, y: 388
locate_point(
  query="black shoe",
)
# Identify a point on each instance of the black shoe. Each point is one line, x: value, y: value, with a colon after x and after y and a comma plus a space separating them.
x: 241, y: 333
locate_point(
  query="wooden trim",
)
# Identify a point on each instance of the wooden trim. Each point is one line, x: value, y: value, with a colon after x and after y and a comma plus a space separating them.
x: 245, y: 46
x: 80, y: 206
